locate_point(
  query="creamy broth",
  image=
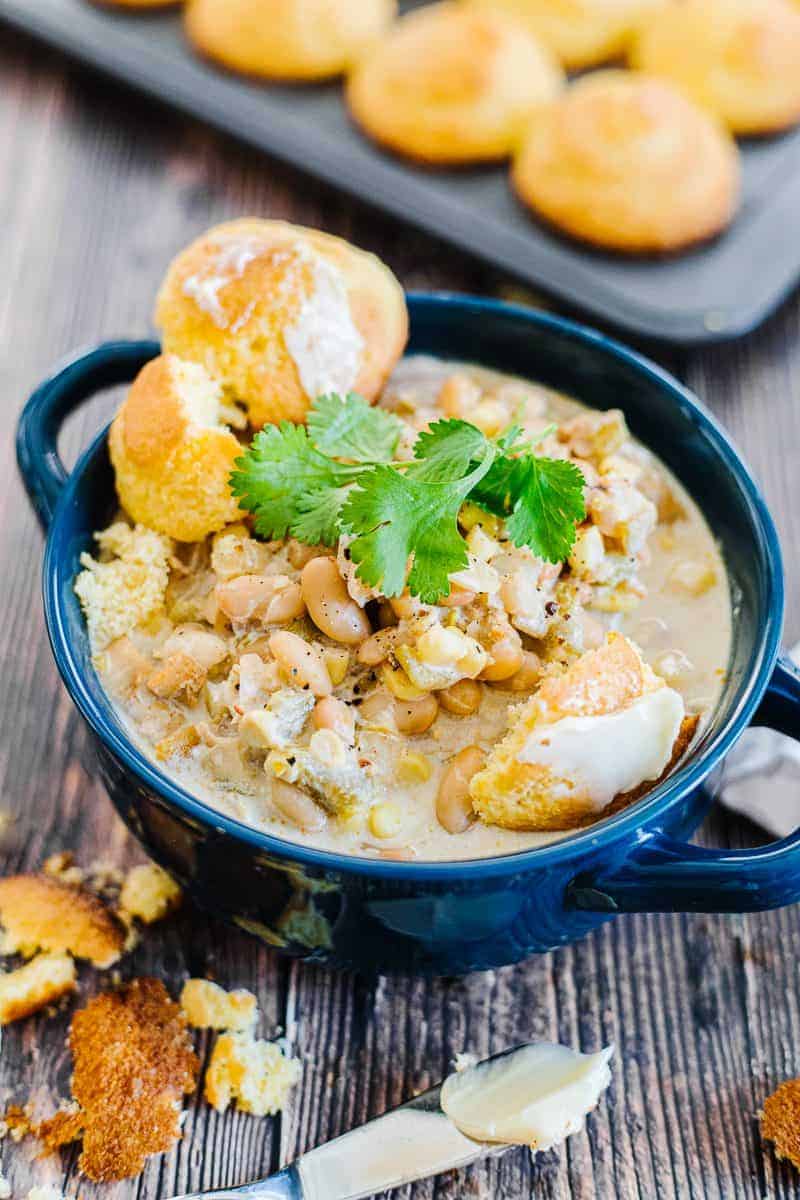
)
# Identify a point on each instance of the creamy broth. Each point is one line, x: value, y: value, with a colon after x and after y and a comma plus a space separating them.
x: 681, y: 624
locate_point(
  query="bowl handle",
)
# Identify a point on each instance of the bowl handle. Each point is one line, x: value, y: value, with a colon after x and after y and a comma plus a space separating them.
x: 665, y: 875
x: 74, y: 381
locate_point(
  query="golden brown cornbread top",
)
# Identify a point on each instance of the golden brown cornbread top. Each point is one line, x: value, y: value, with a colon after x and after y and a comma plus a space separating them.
x: 40, y: 912
x: 780, y: 1120
x: 244, y: 267
x: 152, y: 417
x: 229, y: 297
x: 133, y: 1062
x: 736, y: 57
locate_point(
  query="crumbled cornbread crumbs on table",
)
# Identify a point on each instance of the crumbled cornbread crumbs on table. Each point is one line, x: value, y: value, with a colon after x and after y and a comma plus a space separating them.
x: 119, y: 594
x: 149, y: 893
x: 208, y: 1006
x: 253, y: 1073
x: 39, y: 912
x: 133, y: 1063
x: 39, y: 982
x: 780, y: 1120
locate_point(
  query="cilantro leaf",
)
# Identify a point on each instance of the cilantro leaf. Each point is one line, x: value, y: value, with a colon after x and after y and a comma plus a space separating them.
x: 281, y: 476
x: 319, y: 516
x: 541, y: 500
x: 446, y: 450
x: 399, y: 520
x: 353, y: 429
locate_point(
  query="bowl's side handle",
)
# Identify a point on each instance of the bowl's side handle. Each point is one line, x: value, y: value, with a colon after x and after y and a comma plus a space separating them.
x: 73, y: 382
x: 664, y: 875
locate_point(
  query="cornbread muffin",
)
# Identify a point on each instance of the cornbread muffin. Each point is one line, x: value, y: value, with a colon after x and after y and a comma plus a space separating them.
x: 280, y: 314
x: 604, y: 727
x: 626, y: 161
x: 172, y: 458
x: 452, y: 85
x: 286, y: 39
x: 739, y: 59
x: 580, y: 33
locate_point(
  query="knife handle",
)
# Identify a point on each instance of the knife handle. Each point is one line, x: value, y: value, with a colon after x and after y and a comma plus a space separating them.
x: 285, y: 1185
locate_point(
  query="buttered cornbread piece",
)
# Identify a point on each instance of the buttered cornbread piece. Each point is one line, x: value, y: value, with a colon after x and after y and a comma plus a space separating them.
x: 580, y: 33
x: 172, y: 457
x: 280, y: 315
x: 600, y: 730
x: 287, y: 39
x: 626, y: 161
x: 739, y: 59
x: 451, y: 85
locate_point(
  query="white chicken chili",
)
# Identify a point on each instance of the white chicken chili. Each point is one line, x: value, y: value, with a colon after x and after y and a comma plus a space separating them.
x: 278, y: 682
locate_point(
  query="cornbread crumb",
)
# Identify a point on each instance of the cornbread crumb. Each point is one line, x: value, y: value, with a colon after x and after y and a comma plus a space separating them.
x: 65, y: 1126
x: 41, y: 981
x: 253, y: 1073
x: 208, y: 1006
x: 780, y: 1120
x: 119, y: 594
x: 133, y: 1062
x: 39, y: 912
x: 149, y: 893
x: 17, y: 1122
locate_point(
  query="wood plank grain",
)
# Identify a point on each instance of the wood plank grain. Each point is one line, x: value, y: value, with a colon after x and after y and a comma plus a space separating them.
x: 99, y: 189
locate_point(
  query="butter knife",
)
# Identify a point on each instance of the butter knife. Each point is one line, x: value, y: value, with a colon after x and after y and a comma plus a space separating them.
x: 407, y: 1143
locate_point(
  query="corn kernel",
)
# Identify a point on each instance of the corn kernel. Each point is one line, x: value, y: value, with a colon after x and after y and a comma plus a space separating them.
x: 385, y: 820
x: 399, y: 684
x: 338, y: 662
x: 413, y: 768
x: 471, y: 515
x: 693, y: 577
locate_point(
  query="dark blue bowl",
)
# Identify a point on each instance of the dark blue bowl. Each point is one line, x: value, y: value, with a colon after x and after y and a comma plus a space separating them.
x: 460, y: 916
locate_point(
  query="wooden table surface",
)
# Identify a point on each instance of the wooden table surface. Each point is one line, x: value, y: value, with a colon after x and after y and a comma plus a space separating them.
x: 98, y: 188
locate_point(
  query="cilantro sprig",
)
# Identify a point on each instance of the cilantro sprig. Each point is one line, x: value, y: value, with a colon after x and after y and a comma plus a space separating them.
x: 338, y: 475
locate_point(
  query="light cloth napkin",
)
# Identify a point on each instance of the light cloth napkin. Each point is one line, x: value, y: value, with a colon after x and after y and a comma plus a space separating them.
x: 760, y: 777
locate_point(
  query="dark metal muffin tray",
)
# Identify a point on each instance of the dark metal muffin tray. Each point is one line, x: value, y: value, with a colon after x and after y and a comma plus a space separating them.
x: 717, y: 291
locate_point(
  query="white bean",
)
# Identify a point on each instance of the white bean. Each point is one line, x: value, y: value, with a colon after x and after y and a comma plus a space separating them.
x: 330, y: 605
x: 453, y: 802
x: 301, y: 663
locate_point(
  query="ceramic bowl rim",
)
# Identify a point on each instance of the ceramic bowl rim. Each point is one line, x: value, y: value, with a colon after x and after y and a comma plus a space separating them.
x: 627, y: 824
